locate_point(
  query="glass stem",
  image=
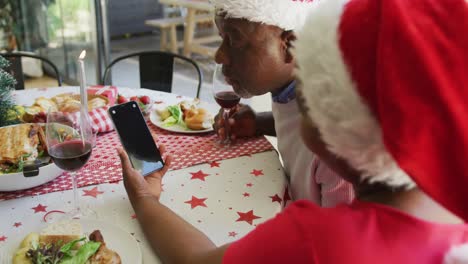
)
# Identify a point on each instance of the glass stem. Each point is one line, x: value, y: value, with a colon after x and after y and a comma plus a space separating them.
x: 227, y: 127
x: 76, y: 201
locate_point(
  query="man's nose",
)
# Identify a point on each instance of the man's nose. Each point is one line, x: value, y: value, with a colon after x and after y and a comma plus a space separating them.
x: 221, y: 56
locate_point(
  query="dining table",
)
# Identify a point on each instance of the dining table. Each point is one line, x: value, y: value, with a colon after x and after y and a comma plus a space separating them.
x: 191, y: 44
x: 223, y: 191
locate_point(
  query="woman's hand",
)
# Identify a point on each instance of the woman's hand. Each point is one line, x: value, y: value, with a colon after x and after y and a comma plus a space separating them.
x: 138, y: 186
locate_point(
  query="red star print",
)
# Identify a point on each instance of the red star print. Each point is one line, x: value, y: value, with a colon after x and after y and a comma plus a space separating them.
x: 196, y: 202
x: 276, y: 198
x: 17, y: 224
x: 3, y: 238
x: 286, y: 196
x: 94, y: 192
x: 246, y: 194
x: 257, y: 173
x: 249, y: 184
x: 214, y: 164
x: 39, y: 208
x: 199, y: 175
x: 247, y: 217
x: 232, y: 234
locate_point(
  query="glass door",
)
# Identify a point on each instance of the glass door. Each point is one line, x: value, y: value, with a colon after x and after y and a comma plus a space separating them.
x: 59, y: 30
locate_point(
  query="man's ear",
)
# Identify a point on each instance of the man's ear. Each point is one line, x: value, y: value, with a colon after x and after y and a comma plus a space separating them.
x: 288, y: 37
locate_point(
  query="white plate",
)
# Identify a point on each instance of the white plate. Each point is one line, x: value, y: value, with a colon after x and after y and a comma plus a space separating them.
x: 156, y: 120
x: 115, y: 238
x: 16, y: 181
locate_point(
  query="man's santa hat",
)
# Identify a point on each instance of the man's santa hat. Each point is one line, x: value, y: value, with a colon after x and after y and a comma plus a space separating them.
x: 285, y: 14
x: 386, y: 84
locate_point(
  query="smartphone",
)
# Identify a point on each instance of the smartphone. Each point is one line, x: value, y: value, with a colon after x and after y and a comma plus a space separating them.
x: 136, y: 137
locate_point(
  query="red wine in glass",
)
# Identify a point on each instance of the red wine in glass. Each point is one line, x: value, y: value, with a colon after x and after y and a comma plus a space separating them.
x: 227, y: 99
x: 71, y: 155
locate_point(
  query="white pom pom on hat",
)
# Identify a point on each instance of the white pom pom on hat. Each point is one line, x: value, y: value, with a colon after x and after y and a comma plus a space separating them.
x: 457, y: 255
x: 285, y: 14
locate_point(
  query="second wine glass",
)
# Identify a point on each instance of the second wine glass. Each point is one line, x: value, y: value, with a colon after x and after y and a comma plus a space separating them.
x: 226, y: 97
x: 70, y: 141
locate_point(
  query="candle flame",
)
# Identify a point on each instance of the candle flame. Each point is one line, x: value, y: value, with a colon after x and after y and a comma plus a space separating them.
x: 82, y: 55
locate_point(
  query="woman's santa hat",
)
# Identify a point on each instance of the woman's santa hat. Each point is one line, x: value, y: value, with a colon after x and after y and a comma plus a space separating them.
x: 285, y: 14
x: 386, y: 84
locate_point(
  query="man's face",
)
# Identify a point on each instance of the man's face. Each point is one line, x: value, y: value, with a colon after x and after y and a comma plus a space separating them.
x: 253, y: 56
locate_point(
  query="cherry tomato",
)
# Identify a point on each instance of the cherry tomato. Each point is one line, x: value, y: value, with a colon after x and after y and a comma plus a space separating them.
x: 121, y: 99
x: 145, y: 99
x: 134, y: 98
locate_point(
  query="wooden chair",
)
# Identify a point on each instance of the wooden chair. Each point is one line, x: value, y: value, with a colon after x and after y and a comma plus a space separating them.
x: 156, y: 70
x: 16, y: 68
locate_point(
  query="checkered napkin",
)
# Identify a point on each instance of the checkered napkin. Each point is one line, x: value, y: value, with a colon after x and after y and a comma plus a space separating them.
x: 100, y: 120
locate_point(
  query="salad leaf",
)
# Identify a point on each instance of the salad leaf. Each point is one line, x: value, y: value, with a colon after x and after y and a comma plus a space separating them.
x: 44, y: 254
x: 66, y: 249
x: 176, y: 112
x: 83, y: 253
x: 170, y: 121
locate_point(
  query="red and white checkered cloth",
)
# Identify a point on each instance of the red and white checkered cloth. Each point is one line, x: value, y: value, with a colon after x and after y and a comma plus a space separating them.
x: 101, y: 121
x: 186, y: 149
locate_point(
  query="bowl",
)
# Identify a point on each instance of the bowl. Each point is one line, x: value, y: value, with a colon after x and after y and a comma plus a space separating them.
x: 24, y: 180
x: 18, y: 181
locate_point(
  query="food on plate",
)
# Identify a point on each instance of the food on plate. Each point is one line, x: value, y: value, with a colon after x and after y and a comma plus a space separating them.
x: 163, y: 113
x: 66, y: 102
x: 20, y: 144
x: 187, y: 114
x: 64, y: 243
x: 196, y: 119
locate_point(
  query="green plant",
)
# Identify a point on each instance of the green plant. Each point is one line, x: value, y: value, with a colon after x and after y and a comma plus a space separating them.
x: 7, y: 106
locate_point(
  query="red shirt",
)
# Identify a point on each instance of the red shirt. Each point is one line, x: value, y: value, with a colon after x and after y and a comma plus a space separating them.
x: 359, y: 233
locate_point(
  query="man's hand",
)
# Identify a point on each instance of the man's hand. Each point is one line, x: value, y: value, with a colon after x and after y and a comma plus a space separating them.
x: 242, y: 122
x: 138, y: 186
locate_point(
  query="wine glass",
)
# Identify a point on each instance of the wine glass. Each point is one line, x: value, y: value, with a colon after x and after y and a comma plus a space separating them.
x: 70, y: 141
x: 225, y: 96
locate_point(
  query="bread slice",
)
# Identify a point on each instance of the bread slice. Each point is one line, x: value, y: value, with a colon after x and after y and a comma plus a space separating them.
x: 46, y: 104
x: 63, y: 232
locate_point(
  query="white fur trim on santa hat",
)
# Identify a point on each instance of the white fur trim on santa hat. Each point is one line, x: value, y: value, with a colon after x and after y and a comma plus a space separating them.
x: 457, y: 255
x: 345, y: 122
x: 285, y: 14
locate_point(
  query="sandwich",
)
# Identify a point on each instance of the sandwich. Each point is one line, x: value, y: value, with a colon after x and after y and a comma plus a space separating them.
x: 20, y: 144
x: 64, y: 243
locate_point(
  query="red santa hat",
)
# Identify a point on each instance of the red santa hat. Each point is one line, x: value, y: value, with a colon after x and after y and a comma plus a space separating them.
x: 285, y: 14
x: 386, y: 84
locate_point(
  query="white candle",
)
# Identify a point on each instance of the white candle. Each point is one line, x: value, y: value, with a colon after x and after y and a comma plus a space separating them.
x: 83, y: 90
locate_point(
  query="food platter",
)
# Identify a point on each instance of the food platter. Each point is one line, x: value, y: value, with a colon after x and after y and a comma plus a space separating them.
x: 18, y: 181
x: 157, y: 120
x: 116, y: 239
